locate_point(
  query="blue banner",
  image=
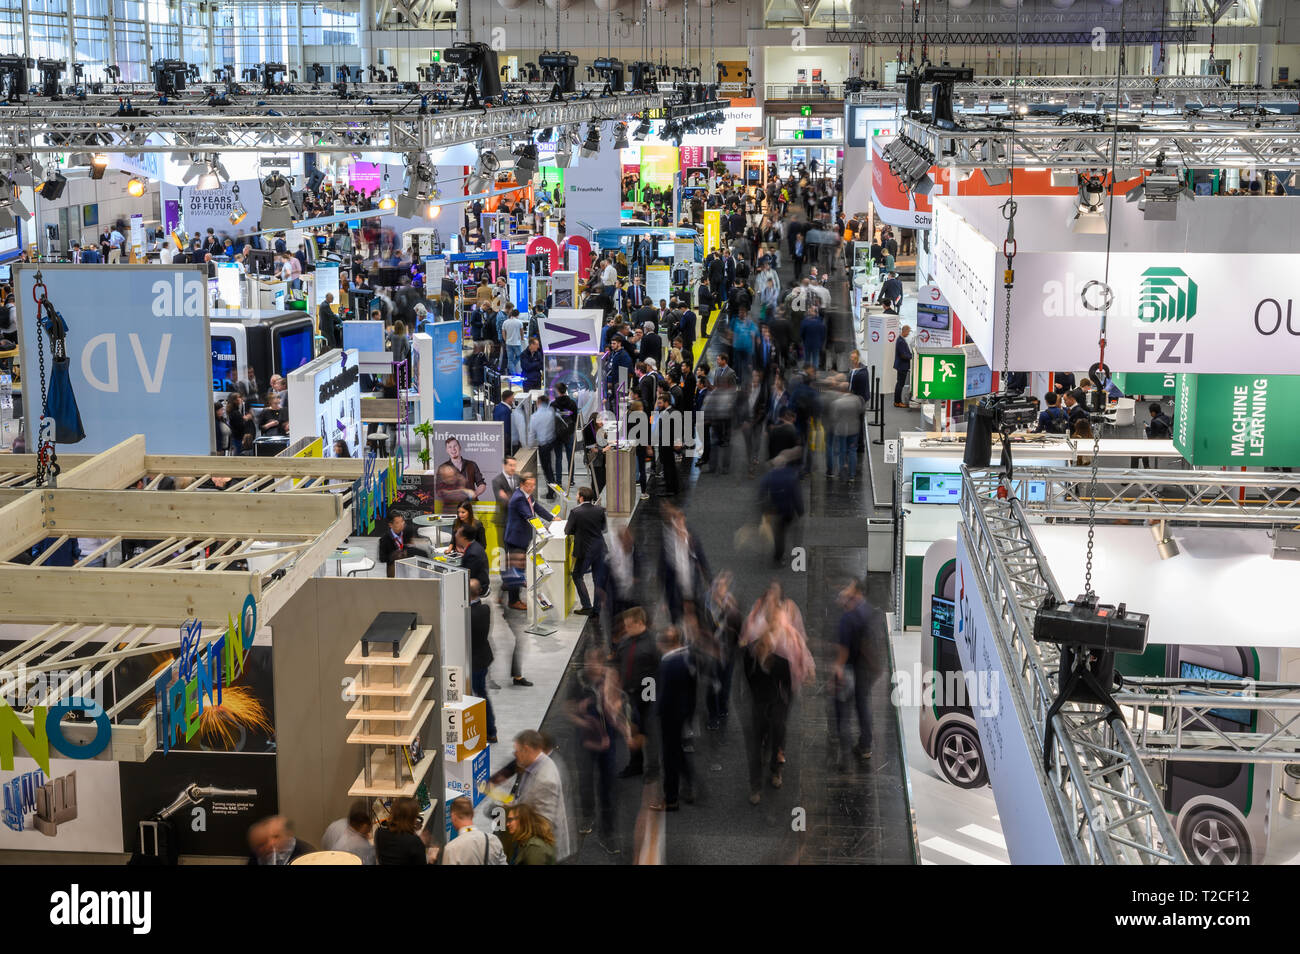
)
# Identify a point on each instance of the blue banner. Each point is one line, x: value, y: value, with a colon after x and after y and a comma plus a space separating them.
x: 519, y: 290
x: 139, y: 357
x: 448, y: 386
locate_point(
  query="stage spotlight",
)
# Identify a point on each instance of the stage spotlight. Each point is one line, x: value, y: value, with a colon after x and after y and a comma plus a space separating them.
x: 484, y: 176
x: 52, y: 187
x: 279, y: 207
x: 1165, y: 545
x: 592, y: 145
x: 98, y: 165
x: 620, y: 136
x: 387, y: 203
x: 11, y: 207
x: 642, y: 130
x: 526, y: 161
x: 1089, y: 217
x: 210, y: 173
x: 237, y: 211
x: 419, y: 184
x: 564, y: 144
x: 135, y: 188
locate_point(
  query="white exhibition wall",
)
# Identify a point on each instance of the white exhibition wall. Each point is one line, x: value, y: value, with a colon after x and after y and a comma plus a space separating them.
x: 1210, y: 292
x: 1222, y: 589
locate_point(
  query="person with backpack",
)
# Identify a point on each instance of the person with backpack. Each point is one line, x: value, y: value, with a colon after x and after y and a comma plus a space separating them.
x: 566, y: 422
x: 1052, y: 420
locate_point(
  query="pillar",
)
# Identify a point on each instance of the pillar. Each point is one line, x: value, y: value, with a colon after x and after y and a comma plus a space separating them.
x: 1264, y: 71
x: 368, y: 31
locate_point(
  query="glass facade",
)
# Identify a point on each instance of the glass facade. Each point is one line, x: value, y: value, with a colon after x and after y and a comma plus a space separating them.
x: 139, y: 32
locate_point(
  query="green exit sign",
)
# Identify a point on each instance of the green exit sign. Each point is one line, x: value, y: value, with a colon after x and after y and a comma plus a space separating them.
x: 435, y: 56
x: 798, y: 134
x: 805, y: 110
x: 939, y: 376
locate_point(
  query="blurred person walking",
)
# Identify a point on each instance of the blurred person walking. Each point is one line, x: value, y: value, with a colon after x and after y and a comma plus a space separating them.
x: 859, y: 641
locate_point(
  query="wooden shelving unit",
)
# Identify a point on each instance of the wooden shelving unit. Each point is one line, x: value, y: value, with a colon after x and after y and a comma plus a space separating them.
x: 393, y: 708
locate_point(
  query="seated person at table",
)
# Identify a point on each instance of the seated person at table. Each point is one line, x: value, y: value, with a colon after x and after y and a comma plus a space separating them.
x: 473, y: 526
x: 396, y: 543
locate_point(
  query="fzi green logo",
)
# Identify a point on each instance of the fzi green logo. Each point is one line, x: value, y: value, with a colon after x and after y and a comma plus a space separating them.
x: 1166, y: 294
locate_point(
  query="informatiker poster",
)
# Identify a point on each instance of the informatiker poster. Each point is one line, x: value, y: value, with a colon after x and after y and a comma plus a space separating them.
x: 465, y: 457
x: 75, y: 807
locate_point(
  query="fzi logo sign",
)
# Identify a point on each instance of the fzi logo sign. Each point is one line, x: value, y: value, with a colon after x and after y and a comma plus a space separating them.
x: 1165, y: 295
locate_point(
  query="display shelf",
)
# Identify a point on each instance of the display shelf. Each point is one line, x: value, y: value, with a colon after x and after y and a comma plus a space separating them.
x: 408, y: 733
x: 358, y: 713
x: 411, y: 647
x: 382, y: 783
x: 389, y: 688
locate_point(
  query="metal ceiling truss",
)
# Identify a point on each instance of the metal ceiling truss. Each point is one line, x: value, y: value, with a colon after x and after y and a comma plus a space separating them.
x: 1141, y: 144
x: 1011, y: 37
x: 1105, y: 808
x: 1176, y: 496
x: 292, y: 124
x: 1170, y: 720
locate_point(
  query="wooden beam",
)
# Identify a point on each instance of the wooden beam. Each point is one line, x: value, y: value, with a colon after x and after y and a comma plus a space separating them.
x: 122, y: 597
x: 23, y: 524
x: 134, y: 513
x: 114, y: 469
x: 348, y: 468
x: 99, y: 550
x: 279, y: 592
x: 158, y: 547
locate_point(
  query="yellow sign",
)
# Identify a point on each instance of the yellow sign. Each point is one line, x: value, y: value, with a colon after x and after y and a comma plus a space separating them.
x: 465, y: 728
x: 712, y: 229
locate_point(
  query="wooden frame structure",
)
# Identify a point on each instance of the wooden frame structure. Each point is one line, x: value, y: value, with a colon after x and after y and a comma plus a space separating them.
x: 291, y: 513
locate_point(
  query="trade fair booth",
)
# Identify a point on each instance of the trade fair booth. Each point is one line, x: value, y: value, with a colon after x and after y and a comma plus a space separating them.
x: 1196, y: 745
x: 183, y: 663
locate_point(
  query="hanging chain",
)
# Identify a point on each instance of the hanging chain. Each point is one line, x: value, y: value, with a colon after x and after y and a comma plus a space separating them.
x: 1008, y: 279
x: 45, y: 456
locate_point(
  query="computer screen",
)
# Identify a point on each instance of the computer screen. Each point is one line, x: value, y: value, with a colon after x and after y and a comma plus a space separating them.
x: 979, y: 380
x: 225, y: 371
x: 934, y: 317
x: 943, y: 614
x: 930, y: 488
x: 5, y: 273
x: 1188, y: 670
x: 666, y: 249
x: 295, y: 346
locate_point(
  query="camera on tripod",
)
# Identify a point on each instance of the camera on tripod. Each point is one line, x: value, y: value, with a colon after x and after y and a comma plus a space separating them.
x: 1002, y: 413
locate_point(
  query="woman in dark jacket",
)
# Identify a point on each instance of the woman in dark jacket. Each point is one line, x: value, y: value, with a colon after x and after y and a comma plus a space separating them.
x: 465, y: 518
x: 530, y: 364
x: 768, y: 676
x: 396, y: 840
x: 240, y: 422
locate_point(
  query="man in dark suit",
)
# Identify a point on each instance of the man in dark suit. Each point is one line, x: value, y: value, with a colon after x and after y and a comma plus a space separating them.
x: 504, y: 485
x: 767, y: 356
x: 586, y: 524
x: 473, y: 558
x: 902, y: 363
x: 635, y: 658
x: 652, y: 346
x: 395, y: 544
x: 328, y: 323
x: 635, y: 295
x: 686, y: 329
x: 891, y: 294
x: 503, y: 411
x: 784, y: 435
x: 676, y: 690
x: 620, y: 365
x: 683, y: 568
x: 480, y: 648
x: 522, y: 508
x: 782, y: 499
x: 648, y: 386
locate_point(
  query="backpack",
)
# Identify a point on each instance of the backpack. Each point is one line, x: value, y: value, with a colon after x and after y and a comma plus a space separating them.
x: 1058, y: 422
x: 1159, y: 428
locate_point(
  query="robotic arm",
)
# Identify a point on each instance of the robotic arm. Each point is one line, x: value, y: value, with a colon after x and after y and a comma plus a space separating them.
x: 195, y: 794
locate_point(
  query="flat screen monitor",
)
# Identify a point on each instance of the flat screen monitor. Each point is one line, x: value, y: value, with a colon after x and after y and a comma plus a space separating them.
x: 260, y: 261
x: 979, y: 380
x: 225, y: 371
x: 932, y: 488
x: 294, y: 347
x: 942, y: 616
x: 1188, y: 670
x: 5, y: 273
x: 667, y: 249
x: 934, y: 317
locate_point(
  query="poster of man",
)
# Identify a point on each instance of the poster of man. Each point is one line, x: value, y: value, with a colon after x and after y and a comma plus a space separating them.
x: 467, y: 455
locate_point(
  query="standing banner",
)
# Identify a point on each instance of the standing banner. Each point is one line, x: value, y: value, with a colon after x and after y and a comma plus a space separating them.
x: 571, y: 331
x: 712, y: 229
x: 564, y: 291
x: 519, y: 290
x: 448, y: 367
x: 137, y: 237
x: 138, y: 348
x: 466, y: 458
x: 591, y: 189
x: 658, y: 283
x: 325, y: 400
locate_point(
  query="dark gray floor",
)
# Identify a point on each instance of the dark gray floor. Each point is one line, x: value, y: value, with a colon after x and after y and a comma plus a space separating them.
x: 820, y: 815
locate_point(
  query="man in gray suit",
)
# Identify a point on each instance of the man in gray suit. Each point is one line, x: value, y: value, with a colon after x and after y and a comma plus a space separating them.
x: 504, y: 486
x: 541, y: 787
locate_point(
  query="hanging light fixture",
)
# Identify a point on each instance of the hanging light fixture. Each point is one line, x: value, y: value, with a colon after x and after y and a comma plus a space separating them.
x: 98, y: 164
x: 620, y: 136
x: 592, y: 146
x: 135, y: 188
x: 237, y: 211
x: 279, y: 208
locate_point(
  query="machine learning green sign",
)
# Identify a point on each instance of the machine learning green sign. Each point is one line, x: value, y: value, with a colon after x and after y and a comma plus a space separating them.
x: 1237, y: 420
